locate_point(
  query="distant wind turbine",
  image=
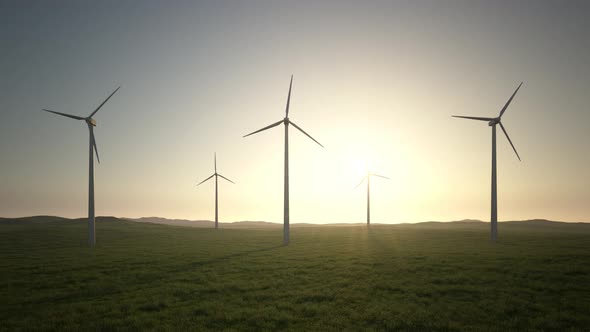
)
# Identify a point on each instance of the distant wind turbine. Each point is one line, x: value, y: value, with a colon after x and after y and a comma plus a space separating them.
x: 93, y: 149
x: 492, y: 122
x: 368, y: 178
x: 286, y: 122
x: 216, y: 175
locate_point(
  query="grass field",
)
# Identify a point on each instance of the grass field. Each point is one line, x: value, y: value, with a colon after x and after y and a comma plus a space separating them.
x: 435, y: 277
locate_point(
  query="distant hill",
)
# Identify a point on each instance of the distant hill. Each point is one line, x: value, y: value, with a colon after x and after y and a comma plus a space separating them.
x: 33, y: 219
x: 516, y: 222
x: 264, y: 224
x: 205, y: 223
x: 432, y: 222
x: 173, y: 222
x: 467, y: 221
x: 251, y: 224
x: 540, y: 222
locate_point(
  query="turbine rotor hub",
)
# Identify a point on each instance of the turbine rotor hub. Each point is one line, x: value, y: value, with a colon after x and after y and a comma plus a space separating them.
x: 91, y: 122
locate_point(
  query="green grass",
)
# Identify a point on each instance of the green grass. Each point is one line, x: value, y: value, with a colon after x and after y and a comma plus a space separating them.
x: 434, y: 277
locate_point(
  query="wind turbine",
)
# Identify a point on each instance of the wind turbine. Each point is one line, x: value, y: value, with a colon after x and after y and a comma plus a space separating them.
x: 93, y: 149
x: 216, y: 175
x: 286, y: 122
x: 492, y: 122
x: 368, y: 178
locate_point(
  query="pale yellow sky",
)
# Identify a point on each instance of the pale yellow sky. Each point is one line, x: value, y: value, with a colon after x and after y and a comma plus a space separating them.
x: 375, y: 83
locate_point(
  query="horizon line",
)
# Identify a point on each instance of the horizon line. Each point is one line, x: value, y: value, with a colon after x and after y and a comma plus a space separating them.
x: 301, y: 223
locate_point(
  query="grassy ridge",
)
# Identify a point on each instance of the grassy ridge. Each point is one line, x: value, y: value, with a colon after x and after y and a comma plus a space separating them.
x: 408, y: 277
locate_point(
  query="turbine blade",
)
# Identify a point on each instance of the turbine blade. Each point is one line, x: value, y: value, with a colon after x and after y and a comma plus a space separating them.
x: 226, y: 178
x: 64, y: 114
x: 509, y: 100
x: 473, y: 118
x: 509, y: 140
x: 363, y: 180
x: 94, y: 142
x: 206, y: 179
x: 381, y: 176
x: 289, y: 98
x: 265, y: 128
x: 306, y: 134
x: 109, y: 97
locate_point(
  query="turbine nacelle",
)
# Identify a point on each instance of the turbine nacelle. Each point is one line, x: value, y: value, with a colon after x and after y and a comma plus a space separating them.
x: 91, y: 122
x: 494, y: 122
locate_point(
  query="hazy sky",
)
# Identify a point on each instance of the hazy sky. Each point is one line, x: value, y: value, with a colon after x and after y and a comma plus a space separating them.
x: 375, y: 82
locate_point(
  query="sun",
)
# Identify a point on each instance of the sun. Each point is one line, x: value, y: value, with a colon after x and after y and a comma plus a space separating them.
x: 359, y: 167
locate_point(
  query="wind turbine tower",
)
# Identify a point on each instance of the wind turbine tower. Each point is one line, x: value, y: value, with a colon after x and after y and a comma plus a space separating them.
x: 91, y: 123
x: 492, y: 122
x: 286, y: 121
x: 368, y: 178
x: 216, y: 175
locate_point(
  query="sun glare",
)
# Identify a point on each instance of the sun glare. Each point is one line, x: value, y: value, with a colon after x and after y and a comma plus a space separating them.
x: 359, y: 167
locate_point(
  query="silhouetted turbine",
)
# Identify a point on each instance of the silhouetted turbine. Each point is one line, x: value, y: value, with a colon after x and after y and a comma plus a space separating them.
x: 368, y: 178
x: 286, y: 122
x: 492, y: 122
x: 216, y: 175
x: 93, y: 149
